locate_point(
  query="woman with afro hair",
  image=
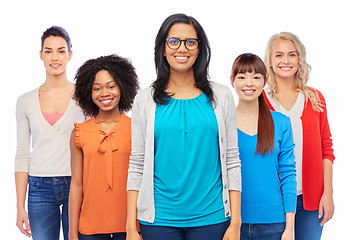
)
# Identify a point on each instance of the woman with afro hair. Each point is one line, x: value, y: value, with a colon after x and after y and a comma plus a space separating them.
x: 100, y: 149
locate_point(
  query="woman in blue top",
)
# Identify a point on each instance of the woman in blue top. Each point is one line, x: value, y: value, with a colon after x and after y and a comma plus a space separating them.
x: 266, y: 147
x: 184, y: 177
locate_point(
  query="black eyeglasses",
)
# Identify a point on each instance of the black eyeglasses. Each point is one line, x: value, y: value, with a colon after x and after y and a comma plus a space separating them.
x: 190, y: 43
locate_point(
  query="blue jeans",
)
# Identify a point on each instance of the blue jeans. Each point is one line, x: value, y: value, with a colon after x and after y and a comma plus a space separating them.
x: 307, y: 223
x: 264, y: 231
x: 48, y: 206
x: 209, y: 232
x: 114, y: 236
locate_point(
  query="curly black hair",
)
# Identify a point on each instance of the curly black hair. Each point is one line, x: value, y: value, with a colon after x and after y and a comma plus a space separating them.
x: 121, y: 70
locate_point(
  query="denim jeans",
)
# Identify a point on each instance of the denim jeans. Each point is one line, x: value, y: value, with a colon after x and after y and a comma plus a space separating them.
x: 307, y: 223
x: 209, y: 232
x: 48, y: 207
x: 114, y: 236
x: 264, y: 231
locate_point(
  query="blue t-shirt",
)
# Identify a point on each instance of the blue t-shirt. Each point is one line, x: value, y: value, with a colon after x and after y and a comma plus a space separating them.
x: 187, y: 171
x: 269, y: 180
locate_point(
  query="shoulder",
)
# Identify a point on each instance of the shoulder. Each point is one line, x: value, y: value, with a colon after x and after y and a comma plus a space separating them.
x: 317, y: 92
x: 84, y: 124
x: 28, y: 95
x: 25, y: 102
x: 126, y: 120
x: 144, y: 94
x: 280, y: 119
x: 219, y: 88
x: 221, y: 92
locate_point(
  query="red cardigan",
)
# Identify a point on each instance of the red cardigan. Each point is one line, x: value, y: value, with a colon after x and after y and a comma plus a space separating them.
x: 317, y: 145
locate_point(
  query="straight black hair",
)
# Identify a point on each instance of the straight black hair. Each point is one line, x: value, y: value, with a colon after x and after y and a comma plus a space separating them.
x: 200, y: 67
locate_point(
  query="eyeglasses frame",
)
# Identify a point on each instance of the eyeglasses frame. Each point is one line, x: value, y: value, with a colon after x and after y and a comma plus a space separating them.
x: 180, y: 43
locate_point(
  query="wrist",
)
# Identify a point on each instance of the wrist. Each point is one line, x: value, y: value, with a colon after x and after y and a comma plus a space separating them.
x: 235, y: 223
x: 328, y: 191
x: 20, y: 208
x: 131, y: 228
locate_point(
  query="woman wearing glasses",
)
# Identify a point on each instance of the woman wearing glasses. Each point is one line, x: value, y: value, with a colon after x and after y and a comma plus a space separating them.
x: 184, y: 177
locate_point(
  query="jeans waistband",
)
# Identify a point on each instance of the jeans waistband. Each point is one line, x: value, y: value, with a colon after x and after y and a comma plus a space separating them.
x: 51, y: 180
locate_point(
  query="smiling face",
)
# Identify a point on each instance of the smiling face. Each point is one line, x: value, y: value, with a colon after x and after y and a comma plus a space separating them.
x: 105, y: 92
x: 284, y: 59
x: 181, y: 60
x: 55, y: 55
x: 248, y: 86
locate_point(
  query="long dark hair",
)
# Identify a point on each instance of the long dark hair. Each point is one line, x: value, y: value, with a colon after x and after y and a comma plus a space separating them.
x: 249, y: 62
x: 200, y: 67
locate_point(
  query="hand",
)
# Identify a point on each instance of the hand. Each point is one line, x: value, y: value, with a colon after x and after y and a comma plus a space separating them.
x: 326, y: 208
x: 288, y: 234
x: 22, y: 219
x: 232, y: 233
x: 133, y: 235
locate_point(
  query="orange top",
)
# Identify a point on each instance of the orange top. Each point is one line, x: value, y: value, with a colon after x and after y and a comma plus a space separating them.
x: 105, y: 172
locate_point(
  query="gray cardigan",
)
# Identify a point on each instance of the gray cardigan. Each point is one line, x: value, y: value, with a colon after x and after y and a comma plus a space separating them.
x: 141, y: 165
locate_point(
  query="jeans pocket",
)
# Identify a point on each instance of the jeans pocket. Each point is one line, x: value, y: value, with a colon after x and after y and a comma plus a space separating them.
x: 33, y: 184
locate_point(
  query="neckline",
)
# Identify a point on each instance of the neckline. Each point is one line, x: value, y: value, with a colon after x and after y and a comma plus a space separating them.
x: 114, y: 129
x: 299, y: 103
x: 41, y: 114
x: 254, y: 135
x: 186, y: 99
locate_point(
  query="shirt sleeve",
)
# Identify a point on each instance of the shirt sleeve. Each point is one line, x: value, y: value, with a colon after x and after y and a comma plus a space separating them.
x: 287, y: 170
x: 22, y: 158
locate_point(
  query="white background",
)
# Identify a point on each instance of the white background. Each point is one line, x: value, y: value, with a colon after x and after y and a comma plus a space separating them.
x: 129, y: 28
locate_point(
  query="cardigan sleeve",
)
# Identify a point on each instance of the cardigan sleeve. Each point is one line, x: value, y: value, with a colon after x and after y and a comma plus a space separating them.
x: 233, y: 162
x: 22, y: 158
x: 136, y: 163
x: 326, y: 136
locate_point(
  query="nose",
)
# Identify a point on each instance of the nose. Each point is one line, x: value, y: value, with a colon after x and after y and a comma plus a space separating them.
x: 182, y: 47
x: 286, y: 59
x: 249, y: 81
x: 104, y: 92
x: 54, y: 56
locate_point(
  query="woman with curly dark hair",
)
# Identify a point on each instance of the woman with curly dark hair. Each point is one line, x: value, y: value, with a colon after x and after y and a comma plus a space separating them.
x: 100, y: 148
x: 184, y: 177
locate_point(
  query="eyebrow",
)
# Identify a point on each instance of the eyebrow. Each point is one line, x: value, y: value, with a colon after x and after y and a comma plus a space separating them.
x: 106, y: 83
x: 289, y: 52
x: 52, y: 48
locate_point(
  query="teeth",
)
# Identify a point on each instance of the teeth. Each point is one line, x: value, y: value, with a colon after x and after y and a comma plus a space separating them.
x: 105, y: 101
x: 248, y: 91
x: 181, y: 58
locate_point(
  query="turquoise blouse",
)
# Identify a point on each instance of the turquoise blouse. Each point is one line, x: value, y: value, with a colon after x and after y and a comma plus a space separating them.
x: 187, y: 171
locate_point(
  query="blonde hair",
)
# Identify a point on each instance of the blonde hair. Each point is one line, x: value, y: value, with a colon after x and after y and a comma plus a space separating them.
x: 301, y: 76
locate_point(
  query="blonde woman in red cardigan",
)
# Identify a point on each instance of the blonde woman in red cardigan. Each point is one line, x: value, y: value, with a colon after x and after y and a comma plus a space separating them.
x: 287, y: 92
